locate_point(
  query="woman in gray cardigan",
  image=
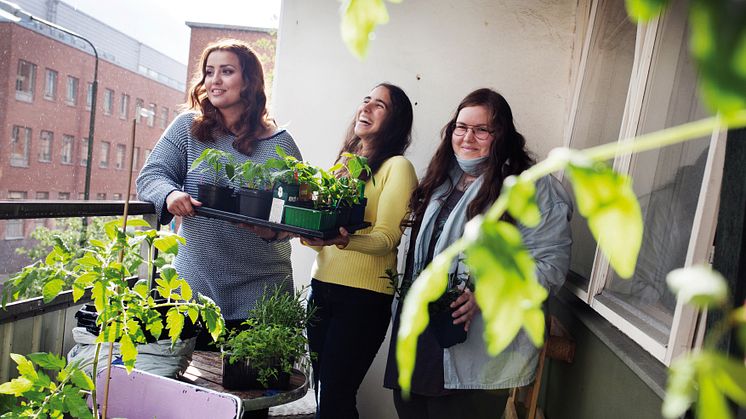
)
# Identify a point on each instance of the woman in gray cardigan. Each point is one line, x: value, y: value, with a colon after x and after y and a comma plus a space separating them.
x: 227, y: 111
x: 480, y: 147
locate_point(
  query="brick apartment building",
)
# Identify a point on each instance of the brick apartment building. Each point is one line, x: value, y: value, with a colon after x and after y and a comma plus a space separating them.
x: 45, y: 106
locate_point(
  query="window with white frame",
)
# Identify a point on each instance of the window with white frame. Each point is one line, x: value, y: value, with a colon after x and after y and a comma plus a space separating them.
x: 136, y: 158
x: 151, y: 114
x: 677, y: 186
x: 25, y: 81
x: 124, y: 104
x: 120, y: 156
x: 147, y: 155
x: 66, y: 152
x: 108, y: 101
x: 50, y: 85
x: 46, y: 139
x: 14, y: 228
x: 101, y: 196
x: 117, y: 197
x: 139, y: 105
x: 20, y: 144
x: 89, y: 96
x: 103, y: 159
x: 71, y: 95
x: 84, y: 151
x: 63, y: 196
x: 163, y: 117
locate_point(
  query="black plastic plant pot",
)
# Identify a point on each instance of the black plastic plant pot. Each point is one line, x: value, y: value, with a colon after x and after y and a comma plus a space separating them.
x: 446, y: 333
x: 343, y: 215
x: 218, y: 197
x: 292, y: 192
x: 254, y: 203
x: 241, y: 376
x: 357, y: 212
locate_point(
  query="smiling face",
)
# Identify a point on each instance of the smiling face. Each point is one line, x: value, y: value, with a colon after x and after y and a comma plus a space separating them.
x: 224, y: 82
x: 372, y: 113
x: 473, y: 122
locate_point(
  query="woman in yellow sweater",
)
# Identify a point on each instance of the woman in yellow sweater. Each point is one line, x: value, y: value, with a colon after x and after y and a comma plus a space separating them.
x: 353, y: 303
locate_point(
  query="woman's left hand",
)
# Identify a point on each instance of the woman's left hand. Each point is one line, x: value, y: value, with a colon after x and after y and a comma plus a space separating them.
x: 467, y: 308
x: 341, y: 241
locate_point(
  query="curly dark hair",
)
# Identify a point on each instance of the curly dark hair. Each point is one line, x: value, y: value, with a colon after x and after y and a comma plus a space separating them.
x: 507, y: 156
x: 254, y: 120
x: 395, y: 134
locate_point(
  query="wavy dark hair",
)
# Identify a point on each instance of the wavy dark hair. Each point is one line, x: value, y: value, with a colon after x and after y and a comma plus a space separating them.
x: 395, y: 134
x: 254, y: 120
x: 507, y: 156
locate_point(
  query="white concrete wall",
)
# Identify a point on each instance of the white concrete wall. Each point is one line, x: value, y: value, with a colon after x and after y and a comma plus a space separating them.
x: 437, y: 51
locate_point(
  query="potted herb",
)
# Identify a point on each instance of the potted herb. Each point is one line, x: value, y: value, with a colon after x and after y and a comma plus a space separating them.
x: 263, y: 354
x: 353, y: 191
x: 255, y: 194
x: 295, y: 181
x: 214, y: 195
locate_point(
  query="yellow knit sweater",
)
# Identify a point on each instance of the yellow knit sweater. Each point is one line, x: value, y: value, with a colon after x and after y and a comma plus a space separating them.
x: 373, y: 250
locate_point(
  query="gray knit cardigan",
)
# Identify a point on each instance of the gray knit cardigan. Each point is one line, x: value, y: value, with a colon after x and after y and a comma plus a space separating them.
x: 220, y: 260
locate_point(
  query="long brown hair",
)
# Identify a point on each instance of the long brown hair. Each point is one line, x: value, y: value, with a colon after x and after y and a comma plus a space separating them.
x: 395, y: 134
x: 507, y: 155
x: 253, y: 121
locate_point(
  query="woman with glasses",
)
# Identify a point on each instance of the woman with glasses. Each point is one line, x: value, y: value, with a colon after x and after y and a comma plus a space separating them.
x: 353, y: 302
x: 227, y: 111
x: 480, y: 147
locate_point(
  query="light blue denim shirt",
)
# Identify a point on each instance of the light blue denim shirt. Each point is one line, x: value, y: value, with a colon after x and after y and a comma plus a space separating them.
x: 468, y: 365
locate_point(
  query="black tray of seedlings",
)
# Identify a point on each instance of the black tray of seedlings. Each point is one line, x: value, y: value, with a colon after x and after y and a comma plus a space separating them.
x: 305, y: 232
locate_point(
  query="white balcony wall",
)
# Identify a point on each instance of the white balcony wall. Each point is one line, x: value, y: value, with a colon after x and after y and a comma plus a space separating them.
x: 437, y: 51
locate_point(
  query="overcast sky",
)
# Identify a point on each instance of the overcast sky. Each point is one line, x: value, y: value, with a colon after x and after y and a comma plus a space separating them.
x: 160, y: 23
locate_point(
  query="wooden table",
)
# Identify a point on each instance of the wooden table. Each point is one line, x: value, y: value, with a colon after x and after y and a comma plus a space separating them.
x: 206, y: 370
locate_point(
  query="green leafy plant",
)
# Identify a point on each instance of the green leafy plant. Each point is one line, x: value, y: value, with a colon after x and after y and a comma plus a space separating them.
x: 216, y: 163
x: 350, y: 189
x: 254, y: 175
x: 39, y: 396
x: 273, y: 338
x: 290, y: 170
x: 124, y: 313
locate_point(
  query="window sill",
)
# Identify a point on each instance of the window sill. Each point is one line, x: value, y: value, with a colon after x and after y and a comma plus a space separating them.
x: 651, y: 371
x: 23, y: 97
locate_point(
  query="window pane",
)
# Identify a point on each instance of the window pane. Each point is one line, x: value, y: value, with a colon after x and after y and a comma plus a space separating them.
x: 25, y: 81
x: 72, y: 90
x: 600, y: 109
x: 151, y: 114
x: 50, y: 87
x: 20, y: 143
x: 84, y: 151
x: 89, y: 96
x: 66, y: 156
x: 124, y: 104
x: 667, y: 182
x: 46, y: 138
x: 14, y: 228
x: 108, y: 101
x: 120, y: 157
x: 104, y: 156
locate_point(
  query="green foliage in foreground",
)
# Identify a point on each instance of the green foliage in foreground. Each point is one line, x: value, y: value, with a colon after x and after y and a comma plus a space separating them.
x: 40, y: 396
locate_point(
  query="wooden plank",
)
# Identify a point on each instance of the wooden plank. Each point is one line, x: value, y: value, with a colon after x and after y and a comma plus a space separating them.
x: 7, y: 349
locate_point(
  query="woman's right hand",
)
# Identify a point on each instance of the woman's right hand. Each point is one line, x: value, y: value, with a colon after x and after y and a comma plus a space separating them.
x: 181, y: 203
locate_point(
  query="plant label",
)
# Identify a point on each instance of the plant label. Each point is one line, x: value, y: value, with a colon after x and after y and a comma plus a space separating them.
x: 275, y: 213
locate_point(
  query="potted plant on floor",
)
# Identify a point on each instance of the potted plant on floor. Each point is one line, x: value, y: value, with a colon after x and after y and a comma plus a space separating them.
x: 220, y: 165
x: 255, y: 194
x: 124, y: 314
x: 263, y: 354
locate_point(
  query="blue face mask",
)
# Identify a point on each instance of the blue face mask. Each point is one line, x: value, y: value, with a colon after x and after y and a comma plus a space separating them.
x: 471, y: 167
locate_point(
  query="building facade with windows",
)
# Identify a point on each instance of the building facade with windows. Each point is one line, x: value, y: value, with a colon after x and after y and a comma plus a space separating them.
x: 46, y: 80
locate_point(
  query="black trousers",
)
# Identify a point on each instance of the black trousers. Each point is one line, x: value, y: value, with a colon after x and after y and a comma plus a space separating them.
x: 349, y: 327
x: 462, y: 404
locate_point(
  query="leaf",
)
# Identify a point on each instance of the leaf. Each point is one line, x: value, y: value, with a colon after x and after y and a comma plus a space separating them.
x: 51, y: 289
x: 174, y: 323
x: 193, y: 314
x: 155, y: 327
x: 730, y: 377
x: 48, y: 361
x: 699, y: 285
x: 522, y: 200
x: 428, y: 287
x: 168, y: 244
x: 506, y: 288
x: 138, y: 222
x: 77, y: 406
x: 359, y: 18
x: 186, y: 290
x: 128, y: 351
x: 607, y: 200
x: 16, y: 386
x: 711, y: 403
x: 25, y: 367
x: 99, y: 296
x: 643, y: 10
x: 681, y: 390
x: 141, y: 288
x: 82, y: 380
x: 213, y: 321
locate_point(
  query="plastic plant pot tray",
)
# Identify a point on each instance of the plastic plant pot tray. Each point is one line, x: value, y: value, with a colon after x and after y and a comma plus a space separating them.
x: 238, y: 218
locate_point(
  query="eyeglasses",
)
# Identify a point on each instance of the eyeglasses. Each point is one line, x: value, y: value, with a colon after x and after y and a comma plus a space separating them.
x: 482, y: 133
